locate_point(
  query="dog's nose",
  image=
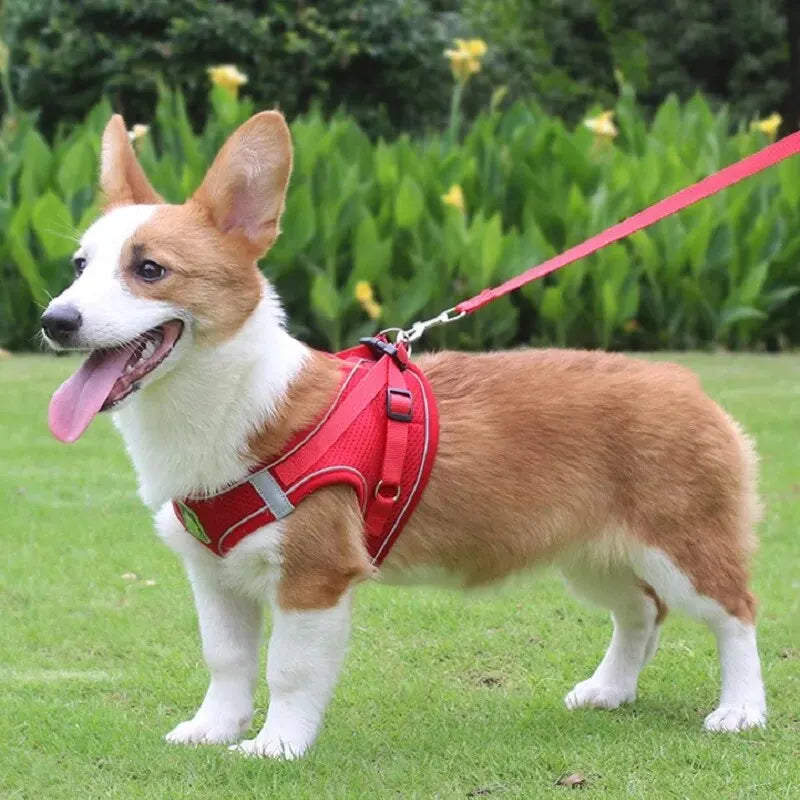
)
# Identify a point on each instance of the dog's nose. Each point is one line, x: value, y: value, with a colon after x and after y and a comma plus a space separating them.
x: 61, y: 322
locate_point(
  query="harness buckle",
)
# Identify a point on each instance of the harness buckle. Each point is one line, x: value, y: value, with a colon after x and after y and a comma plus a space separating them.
x: 391, y: 412
x: 381, y: 346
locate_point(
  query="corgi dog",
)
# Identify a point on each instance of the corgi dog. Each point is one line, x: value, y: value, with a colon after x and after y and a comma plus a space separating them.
x: 622, y: 473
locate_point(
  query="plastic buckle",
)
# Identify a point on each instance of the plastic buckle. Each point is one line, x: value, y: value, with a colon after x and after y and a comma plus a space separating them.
x: 383, y: 347
x: 399, y: 416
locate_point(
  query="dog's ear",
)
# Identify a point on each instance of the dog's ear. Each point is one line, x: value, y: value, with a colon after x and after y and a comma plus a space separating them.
x: 122, y: 179
x: 245, y: 187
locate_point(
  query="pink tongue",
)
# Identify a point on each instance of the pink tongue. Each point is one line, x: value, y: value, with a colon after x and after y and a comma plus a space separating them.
x: 80, y: 397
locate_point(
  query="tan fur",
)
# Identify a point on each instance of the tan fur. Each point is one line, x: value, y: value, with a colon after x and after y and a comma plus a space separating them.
x: 544, y: 450
x: 245, y: 188
x: 211, y: 274
x: 306, y: 401
x: 324, y: 554
x: 661, y: 606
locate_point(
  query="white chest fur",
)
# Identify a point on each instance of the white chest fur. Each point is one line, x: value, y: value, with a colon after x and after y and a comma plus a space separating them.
x: 187, y: 432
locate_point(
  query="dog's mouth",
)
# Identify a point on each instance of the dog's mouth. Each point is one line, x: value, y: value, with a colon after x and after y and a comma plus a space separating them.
x: 107, y: 377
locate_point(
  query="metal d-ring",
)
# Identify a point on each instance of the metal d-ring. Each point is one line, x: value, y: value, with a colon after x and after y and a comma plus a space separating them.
x: 379, y: 495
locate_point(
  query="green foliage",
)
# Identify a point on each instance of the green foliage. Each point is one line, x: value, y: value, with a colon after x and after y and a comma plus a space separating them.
x: 381, y: 58
x: 564, y: 52
x: 723, y: 273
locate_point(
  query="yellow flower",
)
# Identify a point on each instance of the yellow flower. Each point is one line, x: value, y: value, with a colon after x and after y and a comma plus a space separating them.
x: 228, y: 77
x: 770, y: 125
x: 363, y: 292
x: 366, y: 297
x: 373, y: 309
x: 465, y: 59
x: 138, y: 131
x: 454, y: 197
x: 475, y: 47
x: 602, y: 125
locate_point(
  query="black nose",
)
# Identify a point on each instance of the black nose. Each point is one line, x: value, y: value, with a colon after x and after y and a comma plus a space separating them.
x: 61, y: 322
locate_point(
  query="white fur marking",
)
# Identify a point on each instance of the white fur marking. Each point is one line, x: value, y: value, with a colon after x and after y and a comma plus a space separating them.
x: 633, y: 641
x: 306, y: 652
x: 111, y: 314
x: 229, y: 593
x: 230, y: 628
x: 742, y: 702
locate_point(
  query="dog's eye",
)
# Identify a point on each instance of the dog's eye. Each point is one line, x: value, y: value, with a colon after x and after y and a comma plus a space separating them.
x: 80, y: 265
x: 150, y: 271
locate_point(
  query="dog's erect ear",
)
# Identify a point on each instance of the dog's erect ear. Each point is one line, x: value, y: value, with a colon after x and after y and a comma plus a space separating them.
x: 245, y: 187
x: 122, y: 179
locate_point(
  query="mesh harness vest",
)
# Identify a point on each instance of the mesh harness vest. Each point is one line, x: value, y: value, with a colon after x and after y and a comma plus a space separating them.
x: 379, y: 436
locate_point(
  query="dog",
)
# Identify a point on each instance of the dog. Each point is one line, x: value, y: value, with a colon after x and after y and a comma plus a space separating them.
x: 622, y: 473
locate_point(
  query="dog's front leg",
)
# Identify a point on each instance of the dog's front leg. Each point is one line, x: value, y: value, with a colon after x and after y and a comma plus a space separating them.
x: 230, y: 628
x: 306, y: 651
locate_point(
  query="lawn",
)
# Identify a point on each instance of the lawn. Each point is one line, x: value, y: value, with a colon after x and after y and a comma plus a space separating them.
x: 443, y: 694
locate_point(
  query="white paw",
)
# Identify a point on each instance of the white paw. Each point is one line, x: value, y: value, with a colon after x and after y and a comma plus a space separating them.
x: 589, y: 694
x: 735, y: 718
x: 267, y: 747
x: 206, y: 731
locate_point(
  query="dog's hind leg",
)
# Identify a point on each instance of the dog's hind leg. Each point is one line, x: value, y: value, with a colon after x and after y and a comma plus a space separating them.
x: 713, y: 589
x: 636, y: 612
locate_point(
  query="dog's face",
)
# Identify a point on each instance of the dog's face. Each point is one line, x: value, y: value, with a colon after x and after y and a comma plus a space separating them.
x: 154, y: 280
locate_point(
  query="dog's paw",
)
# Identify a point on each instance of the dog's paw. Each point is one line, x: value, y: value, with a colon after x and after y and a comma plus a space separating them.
x: 588, y: 694
x: 729, y: 719
x: 205, y: 731
x: 267, y: 747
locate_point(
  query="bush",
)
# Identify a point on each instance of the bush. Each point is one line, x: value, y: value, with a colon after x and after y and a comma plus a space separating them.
x: 380, y: 58
x: 564, y: 52
x: 723, y: 273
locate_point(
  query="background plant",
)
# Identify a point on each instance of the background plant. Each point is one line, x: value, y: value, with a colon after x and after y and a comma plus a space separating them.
x: 724, y: 273
x: 381, y: 59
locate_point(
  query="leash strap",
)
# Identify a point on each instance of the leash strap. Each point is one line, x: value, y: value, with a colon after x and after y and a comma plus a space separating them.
x: 751, y: 165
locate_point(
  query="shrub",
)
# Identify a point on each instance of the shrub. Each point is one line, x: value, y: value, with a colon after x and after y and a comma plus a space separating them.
x: 380, y: 58
x: 723, y: 273
x: 564, y: 52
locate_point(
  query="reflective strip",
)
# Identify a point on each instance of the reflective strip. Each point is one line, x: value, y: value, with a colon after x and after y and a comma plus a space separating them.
x: 273, y: 495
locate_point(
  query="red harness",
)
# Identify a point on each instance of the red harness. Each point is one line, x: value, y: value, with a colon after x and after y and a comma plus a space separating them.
x: 379, y: 436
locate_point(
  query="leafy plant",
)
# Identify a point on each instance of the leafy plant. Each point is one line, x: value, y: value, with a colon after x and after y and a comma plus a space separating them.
x: 428, y: 222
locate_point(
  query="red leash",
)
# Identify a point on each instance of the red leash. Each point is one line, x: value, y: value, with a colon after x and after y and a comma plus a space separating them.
x: 748, y: 166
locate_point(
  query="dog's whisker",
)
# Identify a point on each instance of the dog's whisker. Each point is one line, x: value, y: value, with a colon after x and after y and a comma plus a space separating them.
x: 70, y: 233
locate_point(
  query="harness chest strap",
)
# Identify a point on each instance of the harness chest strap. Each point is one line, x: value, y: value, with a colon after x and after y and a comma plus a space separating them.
x: 379, y: 436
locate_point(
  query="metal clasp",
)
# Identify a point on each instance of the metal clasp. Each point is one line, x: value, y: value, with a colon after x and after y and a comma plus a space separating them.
x: 418, y: 329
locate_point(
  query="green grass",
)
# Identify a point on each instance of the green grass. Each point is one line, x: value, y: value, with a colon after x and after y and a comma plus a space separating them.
x: 443, y: 695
